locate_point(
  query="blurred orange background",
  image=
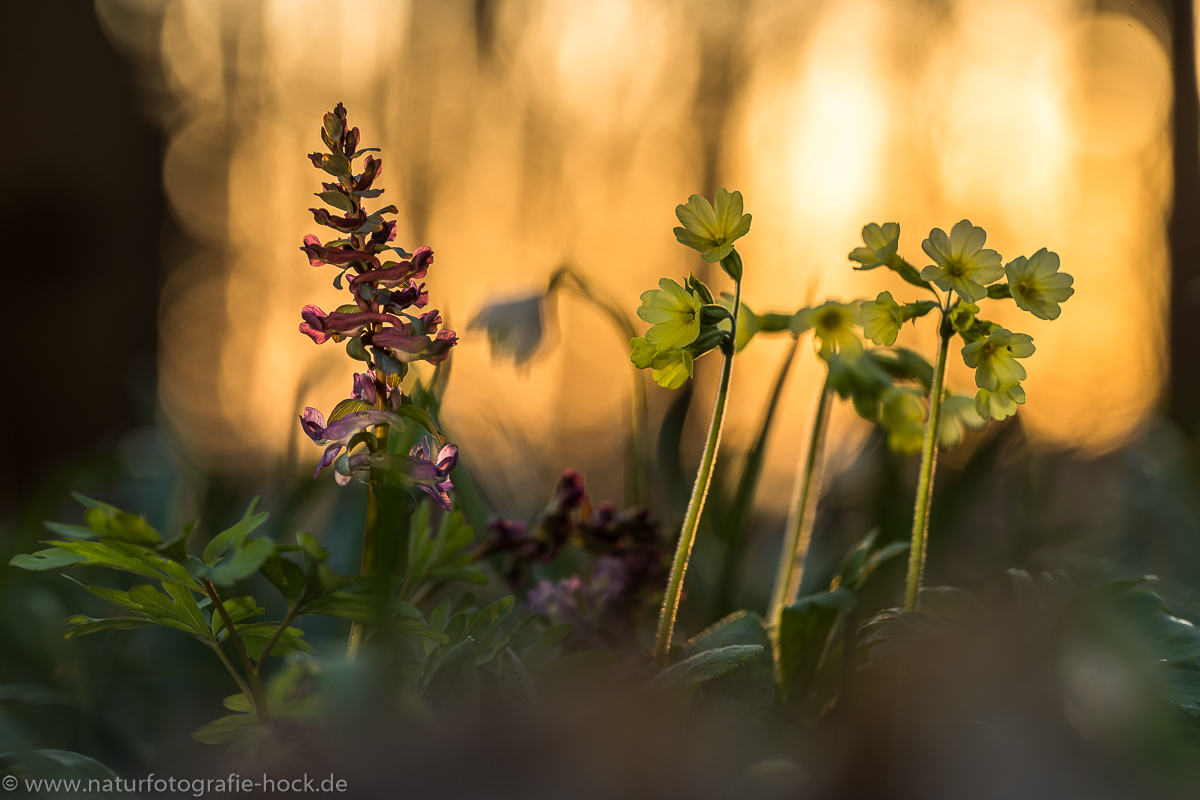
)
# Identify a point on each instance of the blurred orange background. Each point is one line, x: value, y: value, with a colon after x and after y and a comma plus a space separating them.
x: 518, y: 136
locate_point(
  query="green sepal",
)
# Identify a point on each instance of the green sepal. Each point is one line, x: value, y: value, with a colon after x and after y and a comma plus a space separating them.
x: 702, y: 291
x: 356, y: 350
x: 911, y: 311
x: 999, y: 291
x: 732, y: 264
x: 337, y: 165
x: 712, y: 314
x: 348, y: 406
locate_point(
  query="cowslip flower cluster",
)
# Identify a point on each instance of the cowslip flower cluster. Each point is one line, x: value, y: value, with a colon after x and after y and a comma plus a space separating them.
x: 968, y: 273
x: 685, y: 321
x: 384, y: 324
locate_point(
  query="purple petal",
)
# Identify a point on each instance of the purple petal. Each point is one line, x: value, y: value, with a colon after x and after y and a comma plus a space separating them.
x: 327, y: 458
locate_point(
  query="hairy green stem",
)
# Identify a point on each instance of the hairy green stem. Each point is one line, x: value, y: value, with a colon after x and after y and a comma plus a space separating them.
x: 257, y: 690
x: 804, y: 513
x: 358, y: 630
x: 920, y: 529
x: 691, y: 521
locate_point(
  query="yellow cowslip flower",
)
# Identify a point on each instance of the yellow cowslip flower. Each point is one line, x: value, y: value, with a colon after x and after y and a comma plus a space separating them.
x: 674, y: 314
x: 881, y: 243
x: 994, y: 359
x: 1000, y: 404
x: 881, y: 318
x: 1036, y: 284
x: 833, y: 325
x: 961, y: 263
x: 712, y: 233
x: 672, y: 367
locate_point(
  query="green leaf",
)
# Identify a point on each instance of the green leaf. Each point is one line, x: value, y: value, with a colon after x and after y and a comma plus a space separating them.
x: 238, y: 609
x: 682, y: 679
x: 425, y: 420
x: 129, y: 558
x: 81, y: 625
x: 228, y: 539
x: 174, y: 611
x: 337, y: 200
x: 256, y: 636
x: 804, y: 630
x: 70, y: 531
x: 239, y: 703
x: 285, y: 575
x: 47, y: 559
x: 90, y: 503
x: 123, y: 527
x: 233, y: 728
x: 242, y: 563
x: 743, y: 697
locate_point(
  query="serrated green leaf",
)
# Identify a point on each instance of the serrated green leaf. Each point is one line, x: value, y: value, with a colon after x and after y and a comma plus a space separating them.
x: 234, y: 536
x: 129, y: 558
x: 256, y: 636
x: 123, y: 527
x: 81, y: 625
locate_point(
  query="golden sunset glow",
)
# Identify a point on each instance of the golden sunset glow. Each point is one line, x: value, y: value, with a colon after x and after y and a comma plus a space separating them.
x: 569, y: 136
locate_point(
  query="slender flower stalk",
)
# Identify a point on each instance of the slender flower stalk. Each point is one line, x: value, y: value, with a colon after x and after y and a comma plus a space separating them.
x: 804, y: 507
x: 929, y: 447
x: 691, y: 520
x: 358, y: 630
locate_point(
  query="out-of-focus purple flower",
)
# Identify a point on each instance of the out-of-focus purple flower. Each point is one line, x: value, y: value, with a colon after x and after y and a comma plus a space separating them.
x: 313, y: 325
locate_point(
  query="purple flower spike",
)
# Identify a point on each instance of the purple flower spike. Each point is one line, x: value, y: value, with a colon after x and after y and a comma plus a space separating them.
x: 314, y: 324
